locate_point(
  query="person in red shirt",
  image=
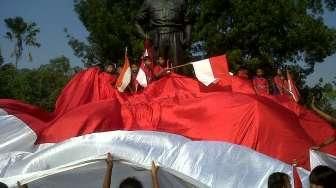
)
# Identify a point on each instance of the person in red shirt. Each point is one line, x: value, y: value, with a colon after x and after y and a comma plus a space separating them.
x: 160, y: 69
x: 109, y: 74
x: 281, y: 83
x: 242, y: 73
x: 134, y: 86
x: 260, y: 83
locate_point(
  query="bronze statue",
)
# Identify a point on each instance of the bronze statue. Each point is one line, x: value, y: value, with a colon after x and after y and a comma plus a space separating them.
x: 166, y: 24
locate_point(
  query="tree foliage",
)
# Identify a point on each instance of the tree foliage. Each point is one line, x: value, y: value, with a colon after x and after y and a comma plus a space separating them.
x: 39, y: 86
x: 21, y: 34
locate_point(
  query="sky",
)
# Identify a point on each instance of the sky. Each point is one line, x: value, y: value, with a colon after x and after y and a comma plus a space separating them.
x: 52, y: 16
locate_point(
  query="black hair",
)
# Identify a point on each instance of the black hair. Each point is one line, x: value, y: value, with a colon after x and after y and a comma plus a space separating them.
x: 130, y: 183
x: 324, y: 176
x: 2, y: 185
x: 278, y: 180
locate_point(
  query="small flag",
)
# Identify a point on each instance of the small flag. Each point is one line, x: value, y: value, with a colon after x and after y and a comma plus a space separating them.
x: 210, y: 70
x: 292, y: 88
x: 141, y: 76
x: 124, y: 78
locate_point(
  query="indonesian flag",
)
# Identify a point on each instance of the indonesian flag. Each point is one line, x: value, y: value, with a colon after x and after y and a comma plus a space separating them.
x: 125, y: 76
x: 292, y: 88
x: 210, y: 70
x: 141, y: 76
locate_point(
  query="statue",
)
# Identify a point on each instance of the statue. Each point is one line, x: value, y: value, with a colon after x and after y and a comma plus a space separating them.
x: 166, y: 24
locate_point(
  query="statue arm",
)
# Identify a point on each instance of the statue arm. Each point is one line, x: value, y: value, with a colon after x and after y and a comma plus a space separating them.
x: 141, y: 16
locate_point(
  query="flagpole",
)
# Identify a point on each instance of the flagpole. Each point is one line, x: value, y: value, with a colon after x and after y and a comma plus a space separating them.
x: 179, y: 66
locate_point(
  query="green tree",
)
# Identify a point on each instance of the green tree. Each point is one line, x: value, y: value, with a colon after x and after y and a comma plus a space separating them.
x: 266, y: 33
x: 39, y: 86
x: 111, y: 29
x: 2, y: 61
x: 22, y: 34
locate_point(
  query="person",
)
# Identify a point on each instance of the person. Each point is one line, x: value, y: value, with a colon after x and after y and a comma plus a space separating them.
x: 279, y: 180
x: 260, y: 83
x: 148, y: 69
x: 129, y: 182
x: 109, y: 74
x: 2, y: 185
x: 322, y: 177
x: 21, y: 186
x: 160, y: 69
x: 134, y: 86
x: 324, y: 115
x: 281, y: 83
x: 242, y: 73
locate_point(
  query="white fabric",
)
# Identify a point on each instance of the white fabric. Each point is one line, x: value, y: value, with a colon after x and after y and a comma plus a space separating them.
x: 203, y: 71
x: 15, y: 135
x: 141, y: 77
x: 203, y: 164
x: 3, y: 112
x: 304, y: 177
x: 318, y: 158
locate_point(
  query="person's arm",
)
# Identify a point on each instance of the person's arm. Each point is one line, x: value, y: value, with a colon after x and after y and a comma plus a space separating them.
x: 327, y: 142
x: 108, y: 174
x: 324, y: 115
x: 154, y: 172
x: 21, y: 186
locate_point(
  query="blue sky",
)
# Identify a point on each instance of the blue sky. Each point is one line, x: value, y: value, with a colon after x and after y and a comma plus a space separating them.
x: 52, y: 16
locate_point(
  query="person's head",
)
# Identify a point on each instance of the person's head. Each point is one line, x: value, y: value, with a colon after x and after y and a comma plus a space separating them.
x: 134, y: 68
x: 110, y: 68
x: 279, y: 72
x: 2, y: 185
x: 322, y: 177
x: 279, y: 180
x: 119, y: 70
x: 161, y: 61
x: 130, y: 183
x: 260, y: 72
x: 147, y: 60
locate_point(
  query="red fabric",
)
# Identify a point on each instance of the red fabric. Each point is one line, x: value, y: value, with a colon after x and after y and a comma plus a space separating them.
x: 219, y: 66
x: 261, y: 86
x: 179, y: 105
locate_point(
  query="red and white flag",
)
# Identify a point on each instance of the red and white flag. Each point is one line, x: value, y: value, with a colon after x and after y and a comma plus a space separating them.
x: 141, y: 76
x: 294, y: 92
x: 210, y: 70
x: 124, y: 78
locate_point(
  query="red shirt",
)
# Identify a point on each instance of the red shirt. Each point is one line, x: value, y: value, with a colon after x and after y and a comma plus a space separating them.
x: 158, y: 71
x: 281, y: 84
x: 260, y: 85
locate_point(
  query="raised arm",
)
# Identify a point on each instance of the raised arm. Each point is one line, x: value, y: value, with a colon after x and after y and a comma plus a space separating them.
x: 324, y: 115
x: 154, y: 172
x: 108, y: 173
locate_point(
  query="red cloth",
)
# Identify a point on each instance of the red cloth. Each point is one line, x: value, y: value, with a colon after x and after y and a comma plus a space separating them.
x: 261, y: 86
x: 179, y: 105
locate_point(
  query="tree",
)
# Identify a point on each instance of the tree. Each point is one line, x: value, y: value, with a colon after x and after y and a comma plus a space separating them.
x: 266, y: 33
x: 36, y: 86
x: 22, y: 34
x: 1, y: 59
x: 111, y: 29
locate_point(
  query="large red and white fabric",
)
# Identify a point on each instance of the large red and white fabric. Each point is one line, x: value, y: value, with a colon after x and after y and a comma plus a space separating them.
x: 125, y: 76
x: 210, y: 70
x: 272, y: 130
